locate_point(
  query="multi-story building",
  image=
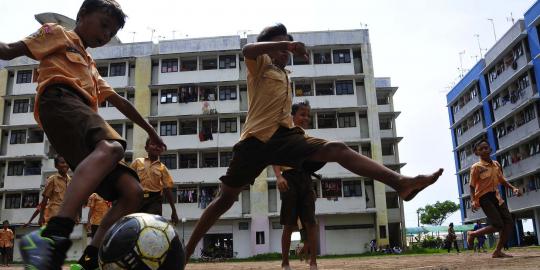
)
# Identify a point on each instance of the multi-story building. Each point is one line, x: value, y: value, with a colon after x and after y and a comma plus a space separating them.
x: 498, y: 100
x: 194, y: 93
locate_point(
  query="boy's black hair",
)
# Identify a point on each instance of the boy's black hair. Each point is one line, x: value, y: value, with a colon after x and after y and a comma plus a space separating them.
x: 57, y: 160
x: 476, y: 144
x: 110, y: 7
x: 297, y: 106
x: 273, y: 31
x: 451, y: 224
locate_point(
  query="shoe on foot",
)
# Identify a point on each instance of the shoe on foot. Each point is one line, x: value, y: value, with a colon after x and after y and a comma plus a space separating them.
x: 43, y: 253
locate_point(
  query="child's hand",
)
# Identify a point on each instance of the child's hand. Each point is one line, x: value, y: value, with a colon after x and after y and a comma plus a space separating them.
x: 517, y: 192
x: 299, y: 49
x: 474, y: 206
x: 282, y: 183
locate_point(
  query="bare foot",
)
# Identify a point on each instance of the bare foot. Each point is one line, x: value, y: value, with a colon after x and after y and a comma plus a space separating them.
x: 416, y: 184
x: 501, y: 254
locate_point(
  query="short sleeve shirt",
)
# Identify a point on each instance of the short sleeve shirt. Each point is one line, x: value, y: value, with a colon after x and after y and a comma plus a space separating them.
x: 154, y: 176
x: 99, y: 208
x: 55, y: 190
x: 486, y: 177
x: 64, y: 60
x: 269, y: 99
x: 6, y: 237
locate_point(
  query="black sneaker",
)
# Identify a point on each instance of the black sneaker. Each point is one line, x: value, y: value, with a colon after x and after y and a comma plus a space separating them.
x: 43, y: 253
x: 89, y: 262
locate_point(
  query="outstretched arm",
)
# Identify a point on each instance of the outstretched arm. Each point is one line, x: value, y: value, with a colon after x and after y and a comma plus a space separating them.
x: 253, y: 50
x: 13, y: 50
x: 126, y: 108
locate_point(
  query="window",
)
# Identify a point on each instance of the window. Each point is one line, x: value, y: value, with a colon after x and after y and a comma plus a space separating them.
x: 30, y: 199
x: 119, y: 128
x: 225, y: 159
x: 227, y: 61
x: 209, y: 160
x: 188, y: 64
x: 169, y: 160
x: 209, y: 125
x: 15, y: 168
x: 324, y: 88
x: 302, y: 89
x: 103, y: 71
x: 188, y: 161
x: 118, y: 69
x: 188, y: 127
x: 169, y: 96
x: 387, y: 149
x: 227, y: 125
x: 24, y: 76
x: 188, y: 94
x: 20, y: 106
x: 276, y: 226
x: 207, y: 93
x: 260, y: 238
x: 392, y: 200
x: 209, y: 63
x: 227, y: 92
x: 344, y: 88
x: 32, y: 167
x: 382, y: 231
x: 347, y: 120
x: 35, y: 136
x: 187, y: 195
x: 169, y: 65
x: 366, y: 150
x: 326, y: 120
x: 385, y: 124
x: 352, y: 189
x: 322, y: 57
x: 300, y: 60
x: 331, y: 188
x: 13, y: 201
x: 18, y: 137
x: 384, y: 100
x: 342, y: 56
x: 168, y: 128
x: 243, y: 226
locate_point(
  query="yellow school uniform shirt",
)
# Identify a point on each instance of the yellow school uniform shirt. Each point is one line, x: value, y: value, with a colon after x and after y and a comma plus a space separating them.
x: 6, y: 237
x: 64, y: 60
x: 99, y: 208
x: 486, y: 177
x: 269, y: 99
x: 55, y: 189
x: 154, y: 176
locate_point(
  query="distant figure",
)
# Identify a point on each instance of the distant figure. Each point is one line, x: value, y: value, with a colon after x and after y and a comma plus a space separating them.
x: 373, y: 245
x: 6, y: 243
x: 451, y: 238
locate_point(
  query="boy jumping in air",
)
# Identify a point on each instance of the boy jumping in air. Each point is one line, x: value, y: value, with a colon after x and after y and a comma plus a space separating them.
x: 269, y: 136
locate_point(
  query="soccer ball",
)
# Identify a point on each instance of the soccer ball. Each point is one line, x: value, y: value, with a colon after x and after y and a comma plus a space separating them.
x: 141, y: 242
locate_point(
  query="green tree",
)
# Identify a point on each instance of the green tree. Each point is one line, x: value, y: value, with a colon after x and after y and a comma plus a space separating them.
x: 437, y: 213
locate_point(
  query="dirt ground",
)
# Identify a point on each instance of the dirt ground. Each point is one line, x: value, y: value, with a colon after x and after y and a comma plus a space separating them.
x: 524, y: 258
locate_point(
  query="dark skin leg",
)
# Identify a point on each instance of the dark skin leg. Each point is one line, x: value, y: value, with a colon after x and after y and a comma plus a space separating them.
x: 215, y: 209
x: 313, y: 243
x: 129, y: 202
x: 407, y: 187
x: 89, y: 174
x: 286, y: 244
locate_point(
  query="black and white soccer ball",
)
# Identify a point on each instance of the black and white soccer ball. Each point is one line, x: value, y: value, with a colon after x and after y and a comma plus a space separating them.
x: 142, y: 242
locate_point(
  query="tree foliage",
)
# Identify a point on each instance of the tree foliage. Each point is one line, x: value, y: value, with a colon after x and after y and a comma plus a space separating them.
x: 437, y: 213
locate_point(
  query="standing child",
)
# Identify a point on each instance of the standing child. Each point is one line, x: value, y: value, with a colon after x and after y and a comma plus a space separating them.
x: 68, y: 93
x: 297, y: 197
x: 486, y: 175
x: 53, y: 194
x: 269, y: 136
x: 6, y: 243
x: 155, y: 180
x: 97, y: 209
x: 451, y: 238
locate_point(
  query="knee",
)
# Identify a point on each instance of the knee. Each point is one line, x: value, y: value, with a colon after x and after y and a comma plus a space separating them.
x: 112, y: 149
x: 336, y: 148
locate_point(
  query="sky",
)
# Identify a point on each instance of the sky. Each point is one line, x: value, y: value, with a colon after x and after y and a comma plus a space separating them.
x: 415, y: 42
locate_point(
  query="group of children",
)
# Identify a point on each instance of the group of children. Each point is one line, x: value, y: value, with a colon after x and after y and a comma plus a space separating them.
x: 70, y: 89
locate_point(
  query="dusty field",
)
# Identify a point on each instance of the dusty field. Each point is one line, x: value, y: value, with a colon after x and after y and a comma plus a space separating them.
x: 525, y: 258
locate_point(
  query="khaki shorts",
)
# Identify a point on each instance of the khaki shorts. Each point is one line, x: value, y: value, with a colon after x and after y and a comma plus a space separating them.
x: 299, y: 200
x: 74, y: 130
x: 497, y: 215
x: 287, y: 147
